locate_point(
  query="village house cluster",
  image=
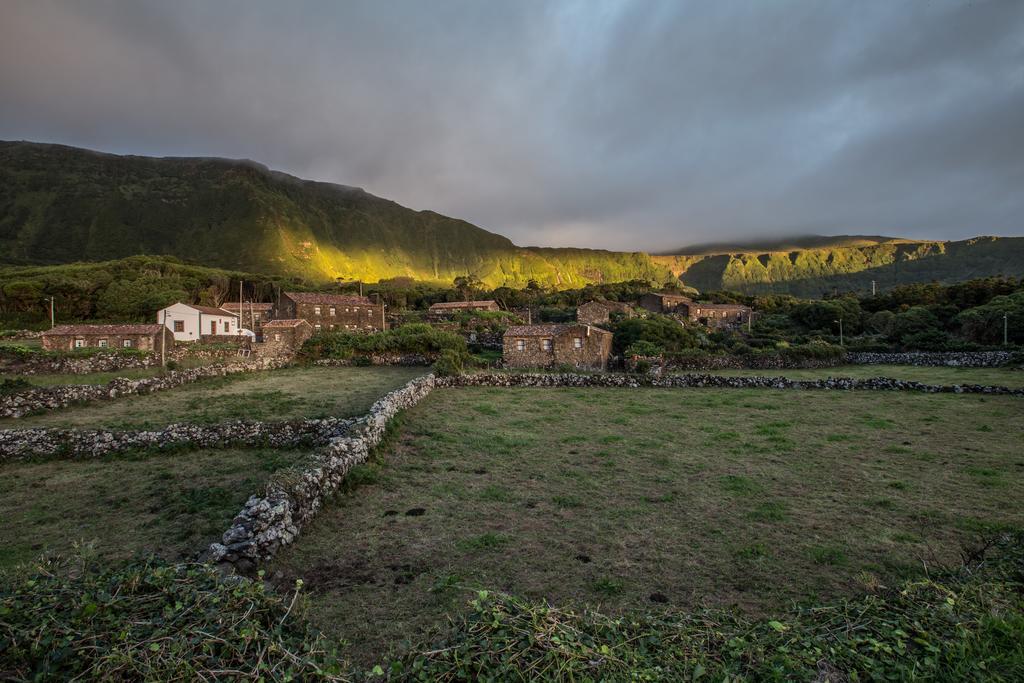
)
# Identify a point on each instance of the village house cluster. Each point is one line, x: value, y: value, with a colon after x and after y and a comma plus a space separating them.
x: 281, y: 328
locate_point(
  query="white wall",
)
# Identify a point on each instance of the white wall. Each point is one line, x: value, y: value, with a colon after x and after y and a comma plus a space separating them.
x: 191, y: 320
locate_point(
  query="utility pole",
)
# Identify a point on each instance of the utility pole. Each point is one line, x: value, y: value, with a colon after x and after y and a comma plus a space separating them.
x: 239, y: 331
x: 163, y: 346
x: 1006, y: 338
x: 53, y: 318
x: 872, y: 288
x: 840, y: 321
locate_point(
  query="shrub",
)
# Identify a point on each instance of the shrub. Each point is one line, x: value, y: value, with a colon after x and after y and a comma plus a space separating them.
x: 413, y: 338
x: 147, y: 620
x: 14, y: 385
x: 450, y: 363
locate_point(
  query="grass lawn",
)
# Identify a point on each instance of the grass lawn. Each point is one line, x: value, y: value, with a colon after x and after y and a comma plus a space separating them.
x: 1005, y: 377
x: 49, y: 380
x: 175, y: 503
x: 654, y: 499
x: 271, y: 395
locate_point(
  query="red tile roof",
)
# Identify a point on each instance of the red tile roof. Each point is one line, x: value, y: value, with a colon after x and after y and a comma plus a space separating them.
x: 233, y: 306
x: 284, y: 323
x: 319, y: 298
x: 455, y: 305
x: 210, y: 310
x: 547, y: 330
x: 84, y: 330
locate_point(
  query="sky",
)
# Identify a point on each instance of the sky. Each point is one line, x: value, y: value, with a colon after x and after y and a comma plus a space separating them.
x: 641, y: 125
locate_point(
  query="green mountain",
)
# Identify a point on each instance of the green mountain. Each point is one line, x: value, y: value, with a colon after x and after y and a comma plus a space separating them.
x: 62, y: 204
x: 816, y: 271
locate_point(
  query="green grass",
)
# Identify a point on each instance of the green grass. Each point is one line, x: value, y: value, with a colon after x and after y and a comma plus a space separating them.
x: 272, y: 395
x: 51, y: 379
x: 1006, y: 377
x: 174, y: 504
x: 740, y: 499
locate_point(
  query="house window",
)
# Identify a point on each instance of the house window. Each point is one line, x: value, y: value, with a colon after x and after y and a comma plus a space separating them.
x: 102, y: 343
x: 79, y: 343
x: 277, y: 337
x: 256, y: 316
x: 316, y: 310
x: 332, y: 326
x: 545, y: 344
x: 520, y: 344
x: 317, y: 327
x: 332, y: 310
x: 577, y: 342
x: 126, y: 343
x: 213, y: 327
x: 179, y: 325
x: 227, y: 326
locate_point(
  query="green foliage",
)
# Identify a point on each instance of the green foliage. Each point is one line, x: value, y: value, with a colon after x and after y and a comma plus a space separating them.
x: 450, y: 363
x: 657, y: 331
x: 413, y: 338
x: 984, y: 324
x: 138, y: 299
x: 957, y: 625
x: 147, y: 620
x: 14, y: 385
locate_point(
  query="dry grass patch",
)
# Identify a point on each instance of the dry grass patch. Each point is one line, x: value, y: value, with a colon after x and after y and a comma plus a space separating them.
x: 1005, y: 377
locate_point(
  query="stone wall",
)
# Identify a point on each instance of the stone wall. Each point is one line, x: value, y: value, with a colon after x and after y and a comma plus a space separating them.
x: 962, y: 359
x: 410, y: 359
x: 94, y: 443
x: 61, y: 396
x: 767, y: 361
x: 714, y: 381
x: 293, y: 498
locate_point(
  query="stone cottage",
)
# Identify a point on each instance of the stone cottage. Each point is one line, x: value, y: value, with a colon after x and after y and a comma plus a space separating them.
x: 446, y: 309
x: 709, y: 315
x: 599, y: 311
x: 325, y: 312
x: 252, y: 315
x: 541, y: 346
x: 152, y: 338
x: 284, y: 337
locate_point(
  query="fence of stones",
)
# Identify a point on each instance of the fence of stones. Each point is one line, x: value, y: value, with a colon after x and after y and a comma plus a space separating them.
x: 95, y: 443
x: 107, y: 361
x: 713, y: 381
x: 961, y: 359
x: 409, y: 359
x: 293, y: 497
x: 61, y: 396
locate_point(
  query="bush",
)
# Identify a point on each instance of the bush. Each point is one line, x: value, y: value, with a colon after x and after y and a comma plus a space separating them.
x: 147, y: 620
x: 14, y: 385
x: 644, y: 348
x: 450, y: 363
x: 413, y: 338
x: 657, y: 330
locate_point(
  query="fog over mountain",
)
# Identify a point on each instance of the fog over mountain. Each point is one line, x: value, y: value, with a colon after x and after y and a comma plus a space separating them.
x: 597, y: 123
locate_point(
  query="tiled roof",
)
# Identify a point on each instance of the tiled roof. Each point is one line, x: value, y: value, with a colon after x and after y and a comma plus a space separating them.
x: 549, y: 330
x: 209, y: 310
x: 610, y: 305
x: 104, y: 329
x: 319, y: 298
x: 233, y: 306
x: 283, y: 323
x: 665, y: 295
x: 721, y: 307
x: 445, y: 305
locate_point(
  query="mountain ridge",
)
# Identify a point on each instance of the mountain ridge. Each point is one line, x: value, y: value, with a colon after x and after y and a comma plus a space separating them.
x: 61, y: 204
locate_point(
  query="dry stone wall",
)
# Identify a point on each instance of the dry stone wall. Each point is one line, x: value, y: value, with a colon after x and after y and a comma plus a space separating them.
x: 409, y: 359
x: 52, y: 398
x: 94, y: 443
x: 961, y: 359
x: 715, y: 381
x: 292, y: 498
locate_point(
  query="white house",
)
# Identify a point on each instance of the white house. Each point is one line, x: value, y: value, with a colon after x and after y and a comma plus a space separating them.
x: 188, y: 322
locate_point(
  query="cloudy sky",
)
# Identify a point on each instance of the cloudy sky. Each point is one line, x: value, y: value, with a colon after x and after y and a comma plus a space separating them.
x: 603, y: 123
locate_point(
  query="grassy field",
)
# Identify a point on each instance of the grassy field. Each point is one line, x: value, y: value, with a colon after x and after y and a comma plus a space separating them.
x: 175, y: 503
x: 654, y: 499
x: 272, y: 395
x: 49, y: 380
x: 1005, y: 377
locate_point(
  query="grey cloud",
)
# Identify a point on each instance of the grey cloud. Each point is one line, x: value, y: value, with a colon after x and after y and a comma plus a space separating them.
x: 592, y: 123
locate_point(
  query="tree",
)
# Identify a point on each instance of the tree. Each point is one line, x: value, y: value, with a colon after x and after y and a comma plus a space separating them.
x: 984, y: 324
x: 467, y: 286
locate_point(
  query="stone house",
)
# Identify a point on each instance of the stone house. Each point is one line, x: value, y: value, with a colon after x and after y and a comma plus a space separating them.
x: 599, y: 311
x: 252, y: 315
x: 284, y: 337
x: 661, y: 302
x: 447, y: 309
x: 719, y: 315
x: 324, y: 312
x: 541, y: 346
x: 190, y: 322
x: 152, y: 337
x: 709, y: 315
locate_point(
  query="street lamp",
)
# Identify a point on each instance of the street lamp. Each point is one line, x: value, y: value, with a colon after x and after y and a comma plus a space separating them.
x: 840, y: 321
